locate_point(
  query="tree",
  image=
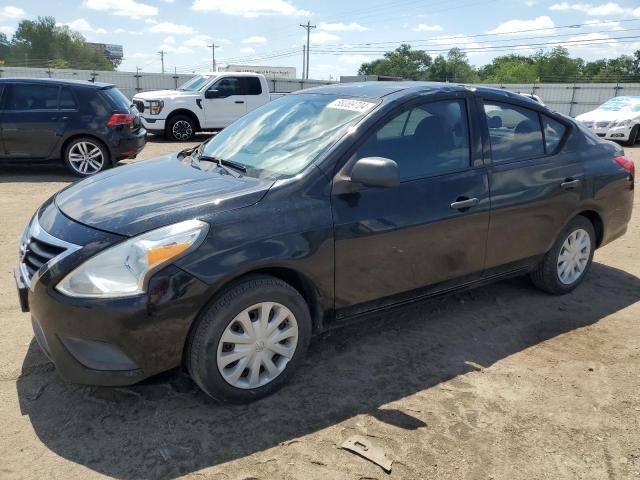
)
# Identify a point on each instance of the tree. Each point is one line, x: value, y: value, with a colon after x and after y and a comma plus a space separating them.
x: 454, y: 68
x: 557, y: 65
x: 402, y: 62
x: 509, y: 69
x: 42, y: 43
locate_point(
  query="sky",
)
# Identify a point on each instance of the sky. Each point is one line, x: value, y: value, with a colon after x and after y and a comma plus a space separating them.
x: 347, y: 33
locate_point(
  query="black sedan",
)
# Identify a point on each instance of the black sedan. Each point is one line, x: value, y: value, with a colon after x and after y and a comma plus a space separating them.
x: 90, y: 126
x: 321, y: 206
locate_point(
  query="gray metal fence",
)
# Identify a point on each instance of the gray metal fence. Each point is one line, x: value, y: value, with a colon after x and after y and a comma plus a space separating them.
x: 131, y: 82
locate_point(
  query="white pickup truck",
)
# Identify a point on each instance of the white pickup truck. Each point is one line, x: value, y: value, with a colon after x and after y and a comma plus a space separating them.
x: 206, y: 102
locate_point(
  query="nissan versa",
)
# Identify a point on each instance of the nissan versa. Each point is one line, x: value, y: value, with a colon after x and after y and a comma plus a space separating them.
x: 320, y: 206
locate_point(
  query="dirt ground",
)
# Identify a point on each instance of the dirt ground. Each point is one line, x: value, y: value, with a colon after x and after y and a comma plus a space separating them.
x: 502, y: 382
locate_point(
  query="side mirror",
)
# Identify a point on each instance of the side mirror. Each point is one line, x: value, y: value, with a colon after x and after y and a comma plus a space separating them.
x: 376, y: 172
x: 212, y: 94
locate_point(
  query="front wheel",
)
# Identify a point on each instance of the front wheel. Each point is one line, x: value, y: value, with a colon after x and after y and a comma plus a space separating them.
x: 248, y: 343
x: 564, y: 267
x: 181, y: 128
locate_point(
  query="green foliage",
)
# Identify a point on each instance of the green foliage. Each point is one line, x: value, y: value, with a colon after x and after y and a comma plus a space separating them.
x: 42, y: 43
x: 553, y: 66
x: 402, y: 62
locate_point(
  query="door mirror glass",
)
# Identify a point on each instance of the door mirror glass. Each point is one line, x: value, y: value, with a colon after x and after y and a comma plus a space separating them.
x: 376, y: 172
x: 212, y: 94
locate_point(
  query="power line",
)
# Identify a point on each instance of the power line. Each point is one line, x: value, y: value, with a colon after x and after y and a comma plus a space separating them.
x: 308, y: 28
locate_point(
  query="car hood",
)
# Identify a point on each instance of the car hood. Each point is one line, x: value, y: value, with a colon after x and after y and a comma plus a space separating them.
x: 135, y: 198
x: 164, y: 94
x: 607, y: 116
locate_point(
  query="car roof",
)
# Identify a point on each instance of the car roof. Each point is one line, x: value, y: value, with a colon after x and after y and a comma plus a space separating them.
x: 56, y: 81
x: 379, y: 89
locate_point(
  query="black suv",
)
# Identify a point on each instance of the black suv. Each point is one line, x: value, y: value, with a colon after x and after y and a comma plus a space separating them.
x: 317, y: 207
x: 88, y: 125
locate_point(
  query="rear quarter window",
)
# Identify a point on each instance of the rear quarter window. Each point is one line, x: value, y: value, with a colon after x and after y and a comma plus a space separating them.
x: 554, y: 132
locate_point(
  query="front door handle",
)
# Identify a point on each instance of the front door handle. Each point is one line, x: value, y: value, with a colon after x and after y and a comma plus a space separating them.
x: 570, y: 184
x: 463, y: 203
x: 239, y: 101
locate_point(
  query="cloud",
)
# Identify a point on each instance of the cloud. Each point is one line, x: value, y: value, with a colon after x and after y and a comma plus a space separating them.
x: 354, y: 59
x: 125, y: 8
x: 530, y: 3
x: 342, y: 27
x: 250, y: 8
x: 198, y: 41
x: 604, y: 23
x: 172, y: 28
x: 604, y: 9
x: 423, y: 27
x: 459, y: 41
x: 9, y: 11
x: 322, y: 37
x: 8, y: 31
x: 169, y: 45
x: 247, y: 50
x: 82, y: 25
x: 255, y: 40
x: 521, y: 26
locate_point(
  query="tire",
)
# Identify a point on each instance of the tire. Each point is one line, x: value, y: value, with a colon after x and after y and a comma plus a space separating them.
x: 86, y: 156
x: 226, y: 371
x: 555, y: 276
x: 633, y: 137
x: 181, y: 128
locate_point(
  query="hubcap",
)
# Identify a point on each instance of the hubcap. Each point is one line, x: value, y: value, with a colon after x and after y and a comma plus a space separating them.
x: 182, y: 130
x: 257, y: 345
x: 574, y: 256
x: 86, y: 158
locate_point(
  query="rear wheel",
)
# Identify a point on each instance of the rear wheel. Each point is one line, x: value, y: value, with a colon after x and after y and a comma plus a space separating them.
x: 564, y: 267
x: 181, y: 128
x: 86, y: 156
x: 247, y: 344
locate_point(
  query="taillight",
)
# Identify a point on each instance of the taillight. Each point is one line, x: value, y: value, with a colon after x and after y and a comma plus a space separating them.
x: 627, y: 164
x: 120, y: 119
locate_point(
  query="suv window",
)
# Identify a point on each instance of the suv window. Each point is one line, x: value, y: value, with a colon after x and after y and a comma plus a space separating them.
x: 252, y: 86
x: 553, y: 133
x: 514, y: 132
x: 435, y: 143
x: 228, y: 86
x: 67, y: 102
x: 32, y: 97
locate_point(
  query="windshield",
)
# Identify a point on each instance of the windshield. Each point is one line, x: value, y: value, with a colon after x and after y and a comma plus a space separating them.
x: 286, y: 135
x: 196, y: 83
x: 621, y: 104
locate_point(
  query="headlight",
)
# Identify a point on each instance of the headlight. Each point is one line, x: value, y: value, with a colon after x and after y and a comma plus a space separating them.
x: 124, y: 269
x: 623, y: 123
x: 155, y: 106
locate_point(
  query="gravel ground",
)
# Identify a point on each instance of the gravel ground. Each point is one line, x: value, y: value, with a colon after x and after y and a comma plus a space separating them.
x: 502, y: 382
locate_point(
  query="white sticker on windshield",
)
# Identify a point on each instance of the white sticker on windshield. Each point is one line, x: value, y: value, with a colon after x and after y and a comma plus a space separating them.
x: 350, y: 104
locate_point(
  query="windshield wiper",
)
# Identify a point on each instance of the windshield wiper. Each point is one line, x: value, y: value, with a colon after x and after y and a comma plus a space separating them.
x: 222, y: 162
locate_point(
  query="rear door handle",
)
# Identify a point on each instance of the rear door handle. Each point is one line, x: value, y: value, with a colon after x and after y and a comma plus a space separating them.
x: 239, y: 101
x: 463, y: 203
x: 570, y: 184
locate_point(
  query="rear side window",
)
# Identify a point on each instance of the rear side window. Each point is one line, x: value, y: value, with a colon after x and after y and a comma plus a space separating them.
x: 253, y: 86
x: 436, y: 143
x: 67, y: 102
x: 514, y: 132
x: 553, y: 133
x: 32, y: 97
x: 117, y: 99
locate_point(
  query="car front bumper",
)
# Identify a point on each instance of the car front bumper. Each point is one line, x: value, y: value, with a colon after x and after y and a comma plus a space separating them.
x: 111, y: 341
x: 620, y: 134
x: 154, y: 124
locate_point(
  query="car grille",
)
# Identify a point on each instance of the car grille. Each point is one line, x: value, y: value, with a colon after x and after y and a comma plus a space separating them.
x: 588, y: 124
x: 40, y: 250
x: 602, y: 124
x: 139, y: 105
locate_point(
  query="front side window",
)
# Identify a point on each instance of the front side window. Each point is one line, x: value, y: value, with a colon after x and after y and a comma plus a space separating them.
x: 514, y: 132
x: 427, y: 140
x: 32, y: 97
x: 284, y: 136
x: 228, y: 86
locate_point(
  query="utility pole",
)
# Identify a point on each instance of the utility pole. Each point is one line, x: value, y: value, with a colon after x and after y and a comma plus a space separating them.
x: 213, y: 47
x: 162, y: 53
x: 308, y: 28
x: 304, y: 59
